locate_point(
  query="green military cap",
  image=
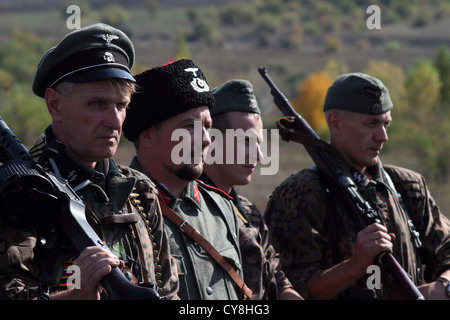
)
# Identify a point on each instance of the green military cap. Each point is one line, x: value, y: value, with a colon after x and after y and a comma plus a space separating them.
x: 93, y: 53
x: 358, y: 92
x: 235, y: 95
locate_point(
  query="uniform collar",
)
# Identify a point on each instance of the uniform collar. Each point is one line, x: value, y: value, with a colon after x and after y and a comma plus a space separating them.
x: 377, y: 175
x: 191, y: 191
x: 52, y: 155
x: 233, y: 195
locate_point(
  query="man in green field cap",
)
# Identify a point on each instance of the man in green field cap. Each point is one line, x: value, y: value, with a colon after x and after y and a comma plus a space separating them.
x: 87, y: 86
x: 237, y: 109
x: 324, y: 255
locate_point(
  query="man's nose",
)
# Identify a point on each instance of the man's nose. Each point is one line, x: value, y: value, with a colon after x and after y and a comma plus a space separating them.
x: 114, y: 118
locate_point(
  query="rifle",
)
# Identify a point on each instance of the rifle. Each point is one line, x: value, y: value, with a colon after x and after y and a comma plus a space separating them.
x: 24, y: 185
x: 342, y: 178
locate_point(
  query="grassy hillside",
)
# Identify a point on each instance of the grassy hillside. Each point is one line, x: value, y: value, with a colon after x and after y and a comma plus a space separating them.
x: 243, y: 47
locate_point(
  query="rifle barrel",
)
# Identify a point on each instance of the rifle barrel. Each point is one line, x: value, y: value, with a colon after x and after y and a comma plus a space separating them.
x: 333, y: 169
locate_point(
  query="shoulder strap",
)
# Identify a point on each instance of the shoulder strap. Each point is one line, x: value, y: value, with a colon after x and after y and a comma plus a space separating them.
x: 212, y: 252
x: 415, y: 235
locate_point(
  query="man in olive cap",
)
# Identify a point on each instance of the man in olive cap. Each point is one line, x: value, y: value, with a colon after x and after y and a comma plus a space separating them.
x: 87, y: 86
x: 174, y: 100
x: 237, y: 109
x: 325, y: 256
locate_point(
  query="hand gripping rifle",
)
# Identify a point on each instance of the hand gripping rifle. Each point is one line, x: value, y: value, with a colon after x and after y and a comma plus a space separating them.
x: 31, y: 197
x: 342, y: 178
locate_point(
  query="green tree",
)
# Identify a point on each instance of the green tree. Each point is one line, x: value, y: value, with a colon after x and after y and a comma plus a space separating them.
x: 205, y: 29
x: 21, y: 54
x: 24, y: 113
x: 423, y: 85
x: 424, y: 127
x: 442, y: 63
x: 115, y: 15
x: 182, y: 50
x: 19, y: 107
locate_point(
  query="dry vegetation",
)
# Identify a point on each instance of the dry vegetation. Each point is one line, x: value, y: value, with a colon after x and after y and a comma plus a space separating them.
x: 400, y: 43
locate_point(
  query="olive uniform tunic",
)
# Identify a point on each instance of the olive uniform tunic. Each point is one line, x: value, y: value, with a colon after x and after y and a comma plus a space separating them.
x: 200, y: 278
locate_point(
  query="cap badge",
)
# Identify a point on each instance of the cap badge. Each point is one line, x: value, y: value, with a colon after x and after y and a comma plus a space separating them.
x: 198, y: 84
x: 376, y: 108
x: 108, y: 57
x: 107, y: 37
x: 246, y: 90
x: 253, y: 104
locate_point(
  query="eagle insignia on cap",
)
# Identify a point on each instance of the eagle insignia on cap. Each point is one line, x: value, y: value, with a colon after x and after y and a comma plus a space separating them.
x: 107, y: 37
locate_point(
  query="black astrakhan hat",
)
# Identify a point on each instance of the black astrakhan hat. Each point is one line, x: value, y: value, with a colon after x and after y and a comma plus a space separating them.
x: 164, y: 92
x: 96, y: 52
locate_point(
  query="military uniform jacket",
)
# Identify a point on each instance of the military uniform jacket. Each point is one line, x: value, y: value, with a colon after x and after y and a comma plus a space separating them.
x: 105, y: 193
x: 309, y: 238
x: 261, y: 263
x: 200, y: 278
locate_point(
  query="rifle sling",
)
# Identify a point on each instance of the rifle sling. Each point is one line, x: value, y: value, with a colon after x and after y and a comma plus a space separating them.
x: 195, y: 236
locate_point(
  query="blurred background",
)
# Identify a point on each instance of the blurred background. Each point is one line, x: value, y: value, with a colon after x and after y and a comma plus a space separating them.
x: 304, y: 45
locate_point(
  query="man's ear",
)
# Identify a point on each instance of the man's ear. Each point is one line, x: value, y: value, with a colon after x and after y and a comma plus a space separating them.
x: 334, y: 122
x: 146, y: 137
x: 53, y: 101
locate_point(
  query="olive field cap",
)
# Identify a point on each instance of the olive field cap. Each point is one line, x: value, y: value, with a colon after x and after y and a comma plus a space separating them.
x: 358, y: 92
x: 164, y: 92
x: 93, y: 53
x: 235, y: 95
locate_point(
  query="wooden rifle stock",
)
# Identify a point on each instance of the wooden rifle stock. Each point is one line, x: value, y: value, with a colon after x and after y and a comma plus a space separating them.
x: 22, y: 178
x: 341, y: 177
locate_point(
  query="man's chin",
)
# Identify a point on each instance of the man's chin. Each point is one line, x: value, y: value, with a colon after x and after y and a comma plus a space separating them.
x: 108, y: 153
x: 190, y: 172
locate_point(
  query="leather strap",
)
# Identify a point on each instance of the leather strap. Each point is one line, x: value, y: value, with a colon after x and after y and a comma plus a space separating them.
x: 212, y: 252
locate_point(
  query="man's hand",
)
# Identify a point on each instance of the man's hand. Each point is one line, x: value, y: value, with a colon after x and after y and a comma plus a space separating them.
x: 94, y: 263
x: 370, y: 243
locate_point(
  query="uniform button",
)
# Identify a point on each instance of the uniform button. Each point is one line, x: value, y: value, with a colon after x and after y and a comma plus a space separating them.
x: 209, y: 290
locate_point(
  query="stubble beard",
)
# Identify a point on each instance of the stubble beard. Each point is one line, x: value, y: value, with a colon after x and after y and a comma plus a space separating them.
x: 189, y: 172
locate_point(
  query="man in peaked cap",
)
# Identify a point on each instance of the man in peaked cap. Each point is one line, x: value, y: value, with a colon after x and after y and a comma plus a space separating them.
x: 174, y: 100
x: 87, y: 86
x: 237, y: 109
x: 325, y: 256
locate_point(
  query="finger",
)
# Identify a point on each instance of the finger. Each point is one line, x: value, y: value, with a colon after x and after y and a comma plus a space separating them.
x: 94, y: 258
x: 392, y: 236
x: 376, y: 226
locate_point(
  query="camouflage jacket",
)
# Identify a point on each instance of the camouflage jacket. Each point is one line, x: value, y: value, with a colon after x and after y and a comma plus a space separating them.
x: 24, y: 256
x: 200, y: 278
x: 260, y: 262
x: 312, y: 231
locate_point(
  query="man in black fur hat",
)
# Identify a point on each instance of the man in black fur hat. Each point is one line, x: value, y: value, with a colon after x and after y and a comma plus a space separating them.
x: 174, y: 97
